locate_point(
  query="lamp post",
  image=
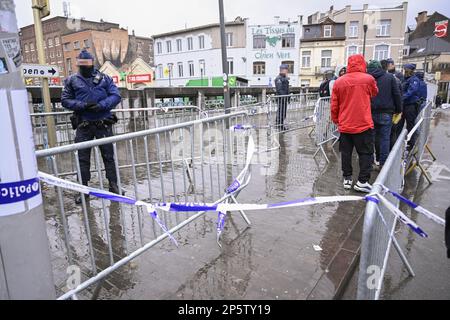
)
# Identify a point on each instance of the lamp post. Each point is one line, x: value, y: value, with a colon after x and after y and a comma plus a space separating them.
x: 226, y: 89
x: 365, y: 28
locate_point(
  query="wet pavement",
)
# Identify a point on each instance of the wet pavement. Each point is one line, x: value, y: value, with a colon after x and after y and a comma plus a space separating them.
x: 275, y: 258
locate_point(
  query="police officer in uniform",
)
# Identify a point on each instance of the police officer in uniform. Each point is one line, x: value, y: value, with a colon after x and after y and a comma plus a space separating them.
x: 92, y: 95
x: 282, y: 89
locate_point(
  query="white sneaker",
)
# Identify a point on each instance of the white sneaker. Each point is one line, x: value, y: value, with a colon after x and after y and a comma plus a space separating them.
x: 348, y: 184
x: 363, y: 187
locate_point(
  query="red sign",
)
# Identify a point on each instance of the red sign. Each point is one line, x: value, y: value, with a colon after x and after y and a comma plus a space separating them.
x: 139, y: 78
x: 115, y: 79
x: 440, y: 29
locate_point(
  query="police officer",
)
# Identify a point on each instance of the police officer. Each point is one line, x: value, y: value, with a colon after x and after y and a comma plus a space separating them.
x: 411, y: 100
x: 282, y: 90
x: 91, y: 95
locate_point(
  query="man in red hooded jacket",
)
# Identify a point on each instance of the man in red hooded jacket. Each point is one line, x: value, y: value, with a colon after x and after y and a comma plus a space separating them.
x: 351, y: 112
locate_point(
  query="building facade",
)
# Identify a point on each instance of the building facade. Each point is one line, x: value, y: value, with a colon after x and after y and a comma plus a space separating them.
x: 269, y: 46
x: 428, y: 46
x: 322, y: 48
x: 54, y: 29
x: 385, y: 30
x: 194, y: 55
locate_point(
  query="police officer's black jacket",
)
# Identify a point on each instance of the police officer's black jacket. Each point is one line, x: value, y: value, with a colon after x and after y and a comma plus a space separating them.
x: 282, y: 85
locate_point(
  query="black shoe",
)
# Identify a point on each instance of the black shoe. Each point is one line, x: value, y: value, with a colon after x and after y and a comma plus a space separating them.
x: 79, y: 201
x: 114, y: 188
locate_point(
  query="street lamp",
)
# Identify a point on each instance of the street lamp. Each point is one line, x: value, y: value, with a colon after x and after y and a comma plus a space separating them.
x: 226, y: 89
x: 366, y: 27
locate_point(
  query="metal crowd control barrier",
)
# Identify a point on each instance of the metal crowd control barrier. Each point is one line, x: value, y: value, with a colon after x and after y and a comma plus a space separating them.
x: 186, y: 162
x: 291, y: 112
x: 422, y: 132
x: 325, y: 129
x: 130, y: 120
x: 379, y: 227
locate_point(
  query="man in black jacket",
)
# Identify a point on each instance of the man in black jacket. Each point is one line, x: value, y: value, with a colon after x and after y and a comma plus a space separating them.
x: 387, y: 103
x: 282, y: 89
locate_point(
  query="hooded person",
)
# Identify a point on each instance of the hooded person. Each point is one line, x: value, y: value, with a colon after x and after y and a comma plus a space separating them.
x: 384, y: 105
x: 324, y: 88
x: 92, y: 95
x: 339, y: 72
x: 351, y: 112
x: 423, y: 89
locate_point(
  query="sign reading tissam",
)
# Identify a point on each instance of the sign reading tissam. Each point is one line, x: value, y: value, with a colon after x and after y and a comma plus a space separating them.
x: 440, y: 29
x: 139, y: 78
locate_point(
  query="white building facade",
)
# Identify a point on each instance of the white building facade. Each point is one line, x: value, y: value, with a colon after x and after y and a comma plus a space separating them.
x: 193, y: 56
x: 269, y: 46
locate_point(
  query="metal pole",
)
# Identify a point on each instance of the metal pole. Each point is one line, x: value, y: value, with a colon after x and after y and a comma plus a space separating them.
x: 51, y: 131
x: 25, y: 268
x: 366, y: 27
x: 226, y: 89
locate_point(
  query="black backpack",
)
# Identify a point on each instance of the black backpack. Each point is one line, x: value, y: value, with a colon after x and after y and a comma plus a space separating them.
x: 324, y: 89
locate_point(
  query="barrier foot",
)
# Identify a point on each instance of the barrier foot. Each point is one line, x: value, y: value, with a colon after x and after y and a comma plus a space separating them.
x: 323, y: 152
x: 403, y: 257
x: 411, y: 169
x: 430, y: 152
x: 427, y: 176
x: 244, y: 216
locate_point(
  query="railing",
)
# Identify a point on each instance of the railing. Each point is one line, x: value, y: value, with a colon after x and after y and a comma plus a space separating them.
x: 130, y: 120
x: 379, y: 223
x: 325, y: 130
x: 186, y: 162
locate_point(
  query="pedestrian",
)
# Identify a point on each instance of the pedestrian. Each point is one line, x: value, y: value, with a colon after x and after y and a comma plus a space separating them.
x: 351, y: 112
x: 423, y: 90
x: 393, y: 70
x: 282, y: 91
x: 438, y: 101
x: 411, y: 101
x: 92, y: 95
x: 324, y: 88
x: 340, y: 71
x: 387, y: 103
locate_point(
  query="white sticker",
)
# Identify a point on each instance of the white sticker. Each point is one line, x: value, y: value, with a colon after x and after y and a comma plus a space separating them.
x: 8, y: 21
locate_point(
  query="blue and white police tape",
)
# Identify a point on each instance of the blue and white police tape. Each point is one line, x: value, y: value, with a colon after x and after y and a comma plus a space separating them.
x: 13, y: 192
x: 226, y: 207
x: 57, y: 182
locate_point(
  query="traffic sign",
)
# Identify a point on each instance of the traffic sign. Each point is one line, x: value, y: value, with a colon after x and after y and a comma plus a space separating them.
x: 39, y: 71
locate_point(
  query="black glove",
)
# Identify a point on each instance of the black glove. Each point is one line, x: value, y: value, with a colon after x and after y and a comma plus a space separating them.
x: 93, y: 107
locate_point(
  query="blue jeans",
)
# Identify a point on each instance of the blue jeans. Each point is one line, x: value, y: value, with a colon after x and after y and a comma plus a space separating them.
x: 383, y: 127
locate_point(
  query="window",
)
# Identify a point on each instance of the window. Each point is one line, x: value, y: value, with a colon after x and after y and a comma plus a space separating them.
x: 327, y: 31
x: 59, y: 53
x: 180, y: 70
x: 352, y: 50
x: 50, y: 42
x: 32, y: 46
x: 169, y: 46
x: 259, y: 68
x: 52, y: 55
x: 230, y: 66
x: 305, y: 83
x: 381, y: 52
x: 86, y: 43
x: 288, y: 40
x: 159, y: 47
x: 57, y: 41
x: 201, y: 42
x: 66, y: 46
x: 306, y: 59
x: 353, y: 29
x: 202, y: 66
x: 259, y: 41
x: 190, y: 43
x: 384, y: 28
x: 290, y: 65
x: 179, y: 45
x: 27, y: 48
x: 76, y: 45
x: 229, y: 37
x: 191, y: 68
x: 170, y: 69
x: 160, y: 71
x: 326, y: 58
x: 69, y: 65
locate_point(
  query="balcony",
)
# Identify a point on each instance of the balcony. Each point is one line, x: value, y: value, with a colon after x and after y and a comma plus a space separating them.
x: 319, y: 70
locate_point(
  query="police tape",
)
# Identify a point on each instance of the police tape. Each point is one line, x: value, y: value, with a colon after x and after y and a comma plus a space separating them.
x: 14, y: 192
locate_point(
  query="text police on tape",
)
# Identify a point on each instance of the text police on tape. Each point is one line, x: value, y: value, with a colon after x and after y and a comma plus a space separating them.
x: 19, y: 191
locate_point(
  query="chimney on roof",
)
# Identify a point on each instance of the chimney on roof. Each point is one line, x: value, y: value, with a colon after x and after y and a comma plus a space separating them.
x: 276, y: 19
x: 331, y: 9
x: 134, y: 34
x: 422, y: 17
x: 366, y: 6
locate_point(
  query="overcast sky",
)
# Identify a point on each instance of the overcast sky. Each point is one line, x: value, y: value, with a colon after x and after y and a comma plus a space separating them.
x: 149, y: 17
